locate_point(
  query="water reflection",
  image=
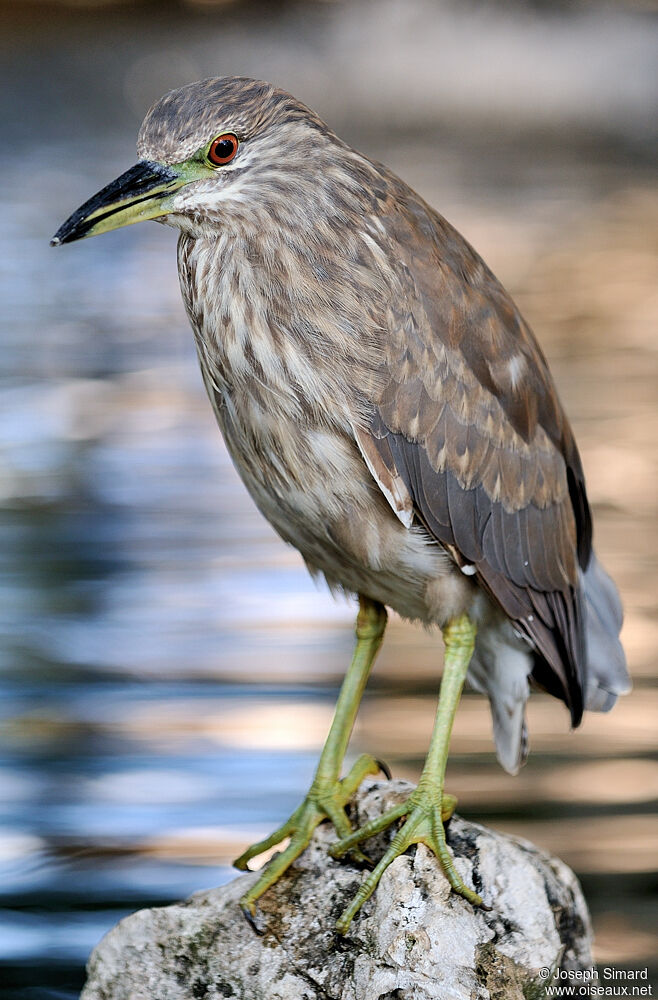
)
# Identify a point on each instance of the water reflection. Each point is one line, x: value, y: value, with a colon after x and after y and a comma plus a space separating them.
x: 168, y: 668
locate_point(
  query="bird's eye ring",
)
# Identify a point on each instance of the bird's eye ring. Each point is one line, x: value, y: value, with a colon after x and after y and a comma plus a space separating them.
x: 222, y: 149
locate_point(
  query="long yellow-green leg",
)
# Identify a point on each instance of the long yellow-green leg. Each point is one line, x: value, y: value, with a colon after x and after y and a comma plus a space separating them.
x: 427, y: 807
x: 327, y: 795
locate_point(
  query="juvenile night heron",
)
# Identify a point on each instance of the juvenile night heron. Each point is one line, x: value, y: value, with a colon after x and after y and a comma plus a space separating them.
x: 393, y: 417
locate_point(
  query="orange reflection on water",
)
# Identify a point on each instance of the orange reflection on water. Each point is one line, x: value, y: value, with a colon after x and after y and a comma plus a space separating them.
x: 625, y: 843
x: 404, y: 725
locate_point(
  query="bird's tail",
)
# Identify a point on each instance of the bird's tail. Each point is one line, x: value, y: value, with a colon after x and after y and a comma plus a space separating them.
x: 607, y: 674
x: 502, y: 662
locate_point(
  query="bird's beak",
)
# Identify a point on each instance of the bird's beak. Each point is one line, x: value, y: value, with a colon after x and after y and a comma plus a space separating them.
x: 143, y: 192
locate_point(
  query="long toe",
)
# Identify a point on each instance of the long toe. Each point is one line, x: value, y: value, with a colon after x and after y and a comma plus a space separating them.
x: 425, y: 814
x: 325, y: 800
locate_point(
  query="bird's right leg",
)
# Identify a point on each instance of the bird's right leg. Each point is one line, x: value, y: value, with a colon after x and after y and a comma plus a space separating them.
x: 328, y: 794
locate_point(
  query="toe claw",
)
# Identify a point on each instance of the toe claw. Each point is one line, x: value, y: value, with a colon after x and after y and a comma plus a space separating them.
x: 384, y: 768
x: 249, y: 912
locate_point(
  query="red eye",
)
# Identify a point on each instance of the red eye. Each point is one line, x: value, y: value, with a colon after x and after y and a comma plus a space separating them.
x: 222, y: 149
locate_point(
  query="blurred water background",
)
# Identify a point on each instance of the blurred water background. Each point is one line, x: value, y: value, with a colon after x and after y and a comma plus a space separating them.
x: 168, y: 669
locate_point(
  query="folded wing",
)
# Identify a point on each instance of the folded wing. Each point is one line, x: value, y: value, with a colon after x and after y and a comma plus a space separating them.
x: 469, y: 424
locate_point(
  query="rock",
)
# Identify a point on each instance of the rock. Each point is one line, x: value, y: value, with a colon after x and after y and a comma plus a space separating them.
x: 414, y: 940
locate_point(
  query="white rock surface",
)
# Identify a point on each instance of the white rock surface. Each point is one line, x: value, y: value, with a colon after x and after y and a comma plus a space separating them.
x: 414, y: 940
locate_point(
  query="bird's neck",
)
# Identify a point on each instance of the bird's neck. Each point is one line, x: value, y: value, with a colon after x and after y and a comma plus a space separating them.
x: 286, y: 315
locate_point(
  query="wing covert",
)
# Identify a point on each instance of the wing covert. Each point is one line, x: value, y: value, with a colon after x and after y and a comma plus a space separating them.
x: 469, y: 421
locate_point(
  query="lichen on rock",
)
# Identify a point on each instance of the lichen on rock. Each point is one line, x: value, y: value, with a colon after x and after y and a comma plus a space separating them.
x: 414, y: 940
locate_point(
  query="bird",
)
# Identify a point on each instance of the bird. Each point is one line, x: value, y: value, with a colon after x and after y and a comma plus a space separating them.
x: 393, y: 417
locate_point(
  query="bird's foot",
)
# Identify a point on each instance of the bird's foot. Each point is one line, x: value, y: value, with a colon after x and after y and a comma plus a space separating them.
x: 326, y: 799
x: 425, y: 812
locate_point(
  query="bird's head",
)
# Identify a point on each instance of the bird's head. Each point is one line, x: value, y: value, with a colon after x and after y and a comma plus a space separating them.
x: 206, y: 152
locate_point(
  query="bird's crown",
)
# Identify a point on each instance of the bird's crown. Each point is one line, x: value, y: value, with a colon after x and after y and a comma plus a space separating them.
x: 187, y: 118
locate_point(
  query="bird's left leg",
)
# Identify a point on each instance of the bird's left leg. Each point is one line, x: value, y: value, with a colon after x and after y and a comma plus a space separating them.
x: 328, y: 794
x: 427, y: 808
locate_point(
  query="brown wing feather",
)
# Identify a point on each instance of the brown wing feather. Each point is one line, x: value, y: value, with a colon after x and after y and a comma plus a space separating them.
x: 470, y: 418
